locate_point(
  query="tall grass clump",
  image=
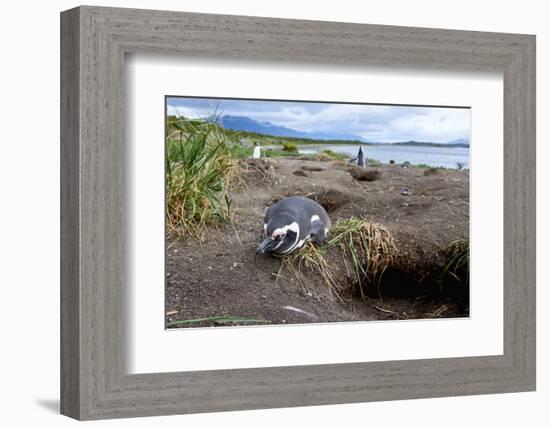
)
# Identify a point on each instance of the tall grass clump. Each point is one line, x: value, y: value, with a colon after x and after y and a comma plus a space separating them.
x: 457, y: 264
x: 370, y: 247
x: 199, y: 170
x: 356, y: 255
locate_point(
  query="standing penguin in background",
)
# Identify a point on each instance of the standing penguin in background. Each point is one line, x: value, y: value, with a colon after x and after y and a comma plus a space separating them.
x: 360, y: 158
x: 291, y: 222
x: 256, y: 153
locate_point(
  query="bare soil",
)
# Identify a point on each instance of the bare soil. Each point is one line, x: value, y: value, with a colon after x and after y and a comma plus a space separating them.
x: 424, y: 211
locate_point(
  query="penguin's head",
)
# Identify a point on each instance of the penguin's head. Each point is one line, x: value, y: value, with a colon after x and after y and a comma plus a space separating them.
x: 281, y: 235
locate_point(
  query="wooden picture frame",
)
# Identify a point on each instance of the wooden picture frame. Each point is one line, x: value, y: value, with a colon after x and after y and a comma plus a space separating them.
x: 94, y: 41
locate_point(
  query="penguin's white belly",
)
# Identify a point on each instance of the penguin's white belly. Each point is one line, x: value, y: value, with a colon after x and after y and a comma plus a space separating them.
x: 256, y: 154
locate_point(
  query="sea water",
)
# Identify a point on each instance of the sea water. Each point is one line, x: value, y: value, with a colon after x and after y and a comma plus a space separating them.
x: 447, y: 157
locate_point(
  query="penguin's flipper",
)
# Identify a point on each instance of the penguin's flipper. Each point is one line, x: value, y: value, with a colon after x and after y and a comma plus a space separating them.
x: 317, y: 232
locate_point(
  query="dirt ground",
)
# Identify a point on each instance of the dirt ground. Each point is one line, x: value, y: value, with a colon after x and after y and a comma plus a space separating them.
x: 423, y: 209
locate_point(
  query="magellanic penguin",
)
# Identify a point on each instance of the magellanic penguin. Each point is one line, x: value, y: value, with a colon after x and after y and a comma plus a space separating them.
x: 360, y: 158
x: 291, y: 222
x: 256, y: 153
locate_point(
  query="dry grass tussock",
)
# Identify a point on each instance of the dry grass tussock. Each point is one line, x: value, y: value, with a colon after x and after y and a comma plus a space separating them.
x: 355, y: 256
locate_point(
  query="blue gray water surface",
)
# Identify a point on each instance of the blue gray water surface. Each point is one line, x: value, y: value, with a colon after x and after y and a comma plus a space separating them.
x: 433, y: 156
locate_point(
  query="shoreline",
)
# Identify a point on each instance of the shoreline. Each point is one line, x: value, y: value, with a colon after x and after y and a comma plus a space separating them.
x: 380, y: 154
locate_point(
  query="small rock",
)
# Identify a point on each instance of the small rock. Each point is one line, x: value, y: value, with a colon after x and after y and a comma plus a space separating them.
x: 168, y: 274
x: 309, y: 294
x: 404, y: 191
x: 264, y: 296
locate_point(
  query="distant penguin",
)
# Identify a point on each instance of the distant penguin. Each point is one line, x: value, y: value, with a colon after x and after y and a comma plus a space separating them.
x: 257, y: 152
x: 291, y: 222
x: 360, y: 158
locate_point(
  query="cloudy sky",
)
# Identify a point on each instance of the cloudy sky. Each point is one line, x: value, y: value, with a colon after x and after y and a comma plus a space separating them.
x: 377, y: 123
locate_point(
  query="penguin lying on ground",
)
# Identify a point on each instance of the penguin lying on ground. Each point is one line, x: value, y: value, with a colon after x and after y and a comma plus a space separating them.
x: 291, y: 222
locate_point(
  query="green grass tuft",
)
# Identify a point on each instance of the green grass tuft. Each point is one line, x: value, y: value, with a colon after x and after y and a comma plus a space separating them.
x: 219, y: 319
x: 199, y: 170
x: 334, y: 155
x: 290, y: 147
x: 457, y: 265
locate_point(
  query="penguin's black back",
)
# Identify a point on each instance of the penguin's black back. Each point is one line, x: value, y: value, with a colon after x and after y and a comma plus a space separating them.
x: 301, y: 209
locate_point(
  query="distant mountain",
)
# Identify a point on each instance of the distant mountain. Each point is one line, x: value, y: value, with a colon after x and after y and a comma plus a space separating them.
x: 246, y: 124
x: 249, y: 125
x: 241, y: 123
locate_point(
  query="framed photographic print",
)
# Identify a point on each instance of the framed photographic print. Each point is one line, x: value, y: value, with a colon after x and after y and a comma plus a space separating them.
x: 344, y: 212
x: 292, y: 213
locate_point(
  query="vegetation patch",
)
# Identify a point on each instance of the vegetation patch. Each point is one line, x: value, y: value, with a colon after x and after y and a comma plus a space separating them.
x: 199, y: 171
x: 280, y: 153
x: 219, y: 320
x: 289, y: 147
x: 333, y: 155
x: 456, y: 268
x: 354, y: 258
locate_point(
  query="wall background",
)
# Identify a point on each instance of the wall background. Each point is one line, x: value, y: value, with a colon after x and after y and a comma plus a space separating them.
x: 29, y: 212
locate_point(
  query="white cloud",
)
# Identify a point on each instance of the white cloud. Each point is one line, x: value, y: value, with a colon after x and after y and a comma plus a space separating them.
x: 380, y: 123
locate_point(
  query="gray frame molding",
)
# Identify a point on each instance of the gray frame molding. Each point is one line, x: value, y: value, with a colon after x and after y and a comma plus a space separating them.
x: 94, y: 42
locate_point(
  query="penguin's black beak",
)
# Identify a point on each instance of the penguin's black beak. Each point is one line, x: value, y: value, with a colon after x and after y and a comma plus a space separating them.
x: 265, y: 246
